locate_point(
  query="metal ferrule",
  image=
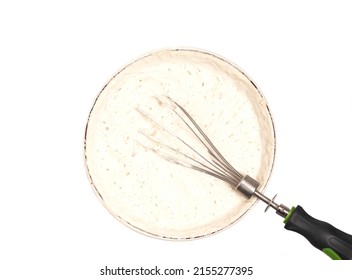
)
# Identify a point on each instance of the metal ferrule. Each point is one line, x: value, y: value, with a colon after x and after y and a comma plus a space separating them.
x: 247, y: 186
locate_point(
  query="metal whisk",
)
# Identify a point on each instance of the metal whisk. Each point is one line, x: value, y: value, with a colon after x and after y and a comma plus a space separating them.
x: 332, y: 241
x: 217, y: 166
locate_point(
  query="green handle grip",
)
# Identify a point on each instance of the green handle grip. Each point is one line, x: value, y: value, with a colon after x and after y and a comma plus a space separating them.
x: 332, y: 241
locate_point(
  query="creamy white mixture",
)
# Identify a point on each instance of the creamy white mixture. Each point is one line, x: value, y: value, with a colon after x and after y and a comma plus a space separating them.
x: 151, y: 194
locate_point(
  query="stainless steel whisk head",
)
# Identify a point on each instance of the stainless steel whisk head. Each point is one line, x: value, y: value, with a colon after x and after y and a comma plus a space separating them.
x: 217, y: 166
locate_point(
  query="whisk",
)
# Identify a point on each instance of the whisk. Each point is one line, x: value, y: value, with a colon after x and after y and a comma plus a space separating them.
x: 332, y: 241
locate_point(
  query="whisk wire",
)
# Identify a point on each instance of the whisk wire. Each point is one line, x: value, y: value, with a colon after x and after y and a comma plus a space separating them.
x: 216, y: 171
x: 217, y: 157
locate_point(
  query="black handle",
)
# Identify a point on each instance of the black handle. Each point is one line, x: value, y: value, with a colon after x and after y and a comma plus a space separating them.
x: 332, y: 241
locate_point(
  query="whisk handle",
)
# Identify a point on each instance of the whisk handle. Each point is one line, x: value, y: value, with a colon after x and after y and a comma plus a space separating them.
x: 332, y: 241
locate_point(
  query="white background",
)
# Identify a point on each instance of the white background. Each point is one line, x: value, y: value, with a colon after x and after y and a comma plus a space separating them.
x: 56, y: 56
